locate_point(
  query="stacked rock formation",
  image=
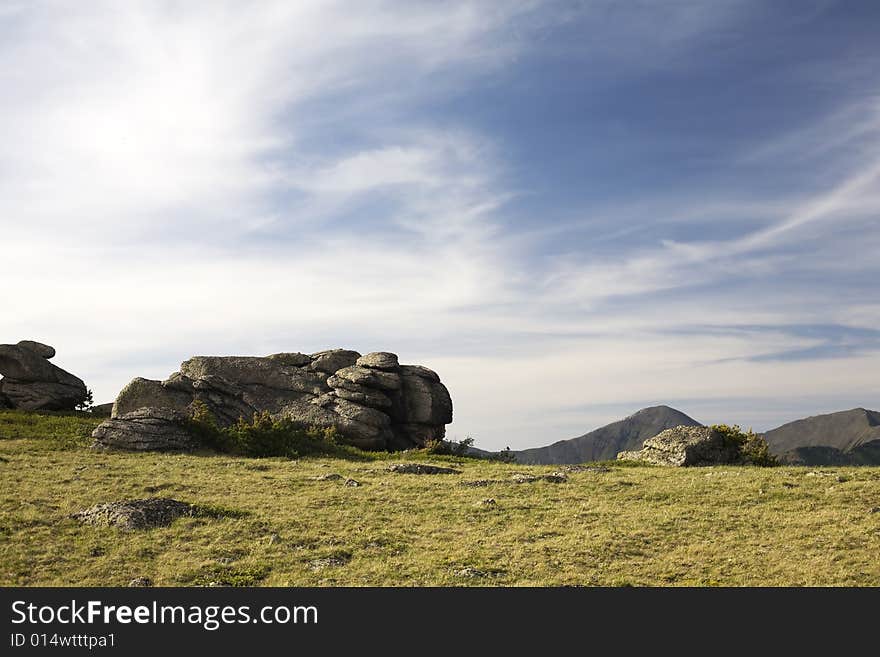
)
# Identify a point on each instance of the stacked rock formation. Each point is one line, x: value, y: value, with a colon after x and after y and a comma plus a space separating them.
x: 30, y: 382
x: 375, y: 402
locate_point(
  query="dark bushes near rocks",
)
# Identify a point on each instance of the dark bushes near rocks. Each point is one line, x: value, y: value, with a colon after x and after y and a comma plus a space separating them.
x: 753, y: 447
x: 262, y: 436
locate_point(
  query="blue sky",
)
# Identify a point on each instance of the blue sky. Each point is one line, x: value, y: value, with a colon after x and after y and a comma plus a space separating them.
x: 570, y: 210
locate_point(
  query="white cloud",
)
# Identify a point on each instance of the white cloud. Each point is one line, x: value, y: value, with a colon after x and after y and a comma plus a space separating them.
x: 161, y: 194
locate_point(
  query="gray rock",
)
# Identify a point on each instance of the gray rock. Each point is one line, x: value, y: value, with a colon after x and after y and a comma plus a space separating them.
x: 43, y: 350
x: 333, y: 360
x: 370, y: 378
x: 418, y: 370
x: 141, y: 582
x: 553, y: 478
x: 358, y: 393
x: 144, y: 393
x: 30, y: 382
x: 255, y: 371
x: 294, y: 359
x: 372, y: 399
x: 145, y: 430
x: 364, y: 414
x: 425, y: 401
x: 421, y: 468
x: 135, y: 514
x: 380, y: 360
x: 687, y: 446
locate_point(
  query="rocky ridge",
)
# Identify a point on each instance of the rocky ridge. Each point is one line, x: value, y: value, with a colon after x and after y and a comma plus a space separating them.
x: 373, y: 400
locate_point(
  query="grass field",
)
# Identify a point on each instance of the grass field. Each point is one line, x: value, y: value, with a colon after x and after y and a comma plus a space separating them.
x: 636, y: 525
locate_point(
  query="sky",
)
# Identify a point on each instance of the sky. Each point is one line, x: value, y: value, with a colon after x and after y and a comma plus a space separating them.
x: 569, y: 210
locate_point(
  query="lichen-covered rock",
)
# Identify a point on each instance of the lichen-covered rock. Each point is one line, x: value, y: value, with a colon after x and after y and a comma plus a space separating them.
x: 145, y: 430
x: 370, y: 377
x: 135, y: 514
x: 372, y: 400
x: 380, y: 360
x: 333, y: 360
x: 30, y: 382
x: 687, y: 446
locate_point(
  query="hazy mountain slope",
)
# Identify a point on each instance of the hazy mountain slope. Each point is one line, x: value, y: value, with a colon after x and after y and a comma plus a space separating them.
x: 604, y: 443
x: 836, y: 438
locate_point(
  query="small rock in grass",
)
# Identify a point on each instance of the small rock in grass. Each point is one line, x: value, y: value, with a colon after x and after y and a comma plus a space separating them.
x: 421, y: 468
x: 135, y: 514
x: 141, y: 582
x: 553, y: 478
x: 328, y: 562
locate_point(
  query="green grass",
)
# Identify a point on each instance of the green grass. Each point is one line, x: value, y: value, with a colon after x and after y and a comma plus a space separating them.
x: 273, y: 524
x: 48, y: 431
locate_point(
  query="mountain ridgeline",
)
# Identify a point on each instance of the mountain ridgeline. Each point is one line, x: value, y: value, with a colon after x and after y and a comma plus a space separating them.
x: 604, y: 443
x: 843, y: 438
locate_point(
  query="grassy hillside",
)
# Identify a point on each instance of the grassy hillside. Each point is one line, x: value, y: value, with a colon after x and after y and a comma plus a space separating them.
x: 610, y: 526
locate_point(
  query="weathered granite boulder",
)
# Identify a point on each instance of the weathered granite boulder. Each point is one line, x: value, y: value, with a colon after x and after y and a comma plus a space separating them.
x: 372, y: 400
x: 147, y: 429
x: 135, y: 514
x: 380, y: 360
x: 30, y: 382
x: 688, y: 446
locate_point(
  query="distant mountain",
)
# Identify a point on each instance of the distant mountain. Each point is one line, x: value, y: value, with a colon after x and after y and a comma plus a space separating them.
x: 843, y: 438
x: 604, y: 443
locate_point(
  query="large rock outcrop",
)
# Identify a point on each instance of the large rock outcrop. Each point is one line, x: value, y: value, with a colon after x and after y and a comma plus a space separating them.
x: 375, y: 402
x: 30, y: 382
x: 688, y: 446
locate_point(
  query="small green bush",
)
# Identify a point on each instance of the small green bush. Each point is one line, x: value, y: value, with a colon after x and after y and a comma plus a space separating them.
x: 753, y: 447
x: 262, y: 435
x: 450, y: 447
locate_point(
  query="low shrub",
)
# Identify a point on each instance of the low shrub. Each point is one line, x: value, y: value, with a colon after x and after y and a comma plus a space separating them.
x: 263, y: 435
x: 753, y: 447
x: 450, y: 447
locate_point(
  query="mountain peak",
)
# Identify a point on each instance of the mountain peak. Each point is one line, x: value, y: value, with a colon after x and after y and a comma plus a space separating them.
x: 605, y: 442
